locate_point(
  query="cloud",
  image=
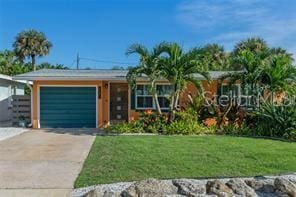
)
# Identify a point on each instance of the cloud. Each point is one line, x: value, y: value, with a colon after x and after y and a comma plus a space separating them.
x: 228, y: 21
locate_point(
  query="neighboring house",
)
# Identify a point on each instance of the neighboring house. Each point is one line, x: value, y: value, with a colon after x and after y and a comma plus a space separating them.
x: 95, y: 98
x: 8, y: 88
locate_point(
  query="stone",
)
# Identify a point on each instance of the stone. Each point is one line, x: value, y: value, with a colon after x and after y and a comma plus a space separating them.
x: 150, y: 187
x: 217, y: 187
x: 261, y: 185
x: 239, y: 187
x: 188, y: 188
x: 101, y: 193
x: 285, y: 187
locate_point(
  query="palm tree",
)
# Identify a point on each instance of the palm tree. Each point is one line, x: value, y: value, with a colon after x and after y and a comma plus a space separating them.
x: 214, y: 56
x: 179, y: 68
x: 281, y: 51
x: 279, y: 73
x: 255, y: 45
x: 148, y: 66
x: 31, y: 44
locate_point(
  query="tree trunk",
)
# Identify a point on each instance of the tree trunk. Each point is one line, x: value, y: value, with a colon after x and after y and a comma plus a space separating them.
x: 171, y: 116
x: 175, y: 105
x: 176, y: 99
x: 157, y: 103
x: 155, y: 96
x: 33, y: 62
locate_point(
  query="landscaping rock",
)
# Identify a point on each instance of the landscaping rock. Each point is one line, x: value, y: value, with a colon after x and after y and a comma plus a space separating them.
x: 285, y: 187
x: 101, y: 193
x: 217, y: 187
x: 150, y: 187
x: 239, y: 187
x: 188, y: 188
x: 261, y: 185
x: 266, y: 186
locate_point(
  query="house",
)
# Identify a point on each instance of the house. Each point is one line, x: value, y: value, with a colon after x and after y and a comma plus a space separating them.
x: 95, y: 98
x: 8, y: 88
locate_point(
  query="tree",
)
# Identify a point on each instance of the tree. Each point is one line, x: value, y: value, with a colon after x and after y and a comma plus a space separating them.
x: 279, y: 74
x: 118, y: 68
x: 251, y: 74
x: 255, y: 45
x: 46, y: 65
x: 148, y: 66
x: 10, y: 65
x: 283, y: 52
x: 31, y: 44
x: 214, y: 56
x: 179, y: 68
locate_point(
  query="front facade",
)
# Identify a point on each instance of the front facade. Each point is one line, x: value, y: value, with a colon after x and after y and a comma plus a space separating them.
x: 95, y: 98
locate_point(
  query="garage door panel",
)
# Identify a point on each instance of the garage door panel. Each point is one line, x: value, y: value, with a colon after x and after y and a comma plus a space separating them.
x: 73, y: 101
x: 53, y: 107
x: 65, y: 120
x: 64, y: 125
x: 68, y: 110
x: 72, y: 116
x: 67, y: 107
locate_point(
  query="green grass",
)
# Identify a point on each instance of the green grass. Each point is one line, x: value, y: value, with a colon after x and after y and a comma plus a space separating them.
x: 128, y: 158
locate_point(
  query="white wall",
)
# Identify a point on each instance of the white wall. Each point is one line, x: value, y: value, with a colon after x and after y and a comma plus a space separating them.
x: 7, y: 89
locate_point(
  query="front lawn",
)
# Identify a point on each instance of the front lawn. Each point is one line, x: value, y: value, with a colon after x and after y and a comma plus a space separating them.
x: 128, y: 158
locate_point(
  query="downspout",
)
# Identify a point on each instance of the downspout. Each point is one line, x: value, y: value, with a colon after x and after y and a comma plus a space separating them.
x: 31, y: 91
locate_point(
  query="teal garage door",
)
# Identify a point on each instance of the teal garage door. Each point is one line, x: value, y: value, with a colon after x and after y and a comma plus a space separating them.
x: 67, y: 107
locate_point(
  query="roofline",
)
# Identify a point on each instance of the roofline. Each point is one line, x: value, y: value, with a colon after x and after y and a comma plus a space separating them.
x: 85, y: 78
x: 9, y: 78
x: 90, y: 78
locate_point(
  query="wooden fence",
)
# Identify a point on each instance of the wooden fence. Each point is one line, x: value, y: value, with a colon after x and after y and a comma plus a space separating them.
x: 21, y: 108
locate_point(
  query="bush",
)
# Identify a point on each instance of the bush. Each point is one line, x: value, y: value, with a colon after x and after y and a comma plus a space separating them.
x: 189, y: 127
x: 186, y: 115
x: 152, y: 122
x: 275, y: 121
x: 124, y: 127
x: 291, y: 135
x: 233, y: 129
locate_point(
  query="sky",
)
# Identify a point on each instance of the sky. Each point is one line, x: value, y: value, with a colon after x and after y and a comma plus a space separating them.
x: 103, y: 30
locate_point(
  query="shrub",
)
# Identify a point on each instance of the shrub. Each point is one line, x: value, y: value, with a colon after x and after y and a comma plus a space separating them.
x: 275, y: 121
x: 124, y: 127
x: 291, y: 135
x: 185, y: 115
x: 233, y: 129
x: 187, y: 127
x: 152, y: 122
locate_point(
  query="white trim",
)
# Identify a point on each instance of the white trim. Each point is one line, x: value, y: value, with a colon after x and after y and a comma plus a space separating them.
x: 153, y: 102
x: 128, y: 102
x: 108, y: 102
x: 38, y: 97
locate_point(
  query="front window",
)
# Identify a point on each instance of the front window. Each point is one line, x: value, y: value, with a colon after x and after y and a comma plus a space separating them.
x: 144, y: 99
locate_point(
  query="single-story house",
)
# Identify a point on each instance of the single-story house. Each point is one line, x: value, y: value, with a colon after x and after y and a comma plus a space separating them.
x: 95, y: 98
x: 8, y: 88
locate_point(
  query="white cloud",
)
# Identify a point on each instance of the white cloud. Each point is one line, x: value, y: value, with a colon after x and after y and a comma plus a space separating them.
x: 228, y: 21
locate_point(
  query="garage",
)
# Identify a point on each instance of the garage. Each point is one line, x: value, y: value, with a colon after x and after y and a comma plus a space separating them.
x: 67, y: 107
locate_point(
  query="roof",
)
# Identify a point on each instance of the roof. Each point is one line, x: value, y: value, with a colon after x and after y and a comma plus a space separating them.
x: 102, y: 74
x: 9, y: 78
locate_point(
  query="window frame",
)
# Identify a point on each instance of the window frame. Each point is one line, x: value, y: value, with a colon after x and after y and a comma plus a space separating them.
x: 148, y: 95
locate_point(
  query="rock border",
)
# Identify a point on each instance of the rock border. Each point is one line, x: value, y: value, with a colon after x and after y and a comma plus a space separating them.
x: 283, y: 185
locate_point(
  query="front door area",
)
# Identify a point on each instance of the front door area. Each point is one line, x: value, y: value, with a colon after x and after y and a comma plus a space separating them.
x: 118, y: 102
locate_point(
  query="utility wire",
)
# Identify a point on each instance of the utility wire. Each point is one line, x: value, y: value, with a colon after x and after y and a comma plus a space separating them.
x: 106, y: 61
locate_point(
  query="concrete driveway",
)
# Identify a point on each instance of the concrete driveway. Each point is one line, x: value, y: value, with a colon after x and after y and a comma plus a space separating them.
x: 42, y: 160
